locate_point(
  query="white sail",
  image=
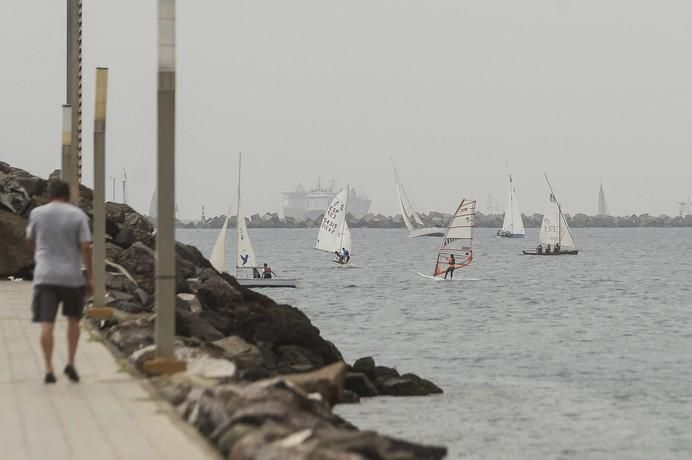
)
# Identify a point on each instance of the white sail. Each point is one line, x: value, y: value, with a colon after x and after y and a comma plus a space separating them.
x: 334, y: 230
x: 602, y: 206
x: 458, y: 239
x: 346, y: 241
x: 411, y: 218
x: 513, y: 223
x: 245, y: 254
x: 554, y: 228
x: 218, y: 253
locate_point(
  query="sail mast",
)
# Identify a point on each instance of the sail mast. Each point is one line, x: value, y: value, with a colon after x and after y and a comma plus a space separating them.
x: 560, y: 215
x: 343, y: 228
x: 237, y: 215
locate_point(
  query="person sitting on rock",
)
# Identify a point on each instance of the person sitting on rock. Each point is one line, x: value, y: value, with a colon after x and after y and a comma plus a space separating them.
x: 267, y: 271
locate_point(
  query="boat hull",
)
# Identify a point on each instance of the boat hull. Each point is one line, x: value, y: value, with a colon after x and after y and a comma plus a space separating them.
x: 267, y: 282
x: 429, y: 231
x: 512, y: 236
x: 572, y: 252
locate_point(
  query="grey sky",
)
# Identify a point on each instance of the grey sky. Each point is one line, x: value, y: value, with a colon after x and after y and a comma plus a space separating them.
x: 584, y: 89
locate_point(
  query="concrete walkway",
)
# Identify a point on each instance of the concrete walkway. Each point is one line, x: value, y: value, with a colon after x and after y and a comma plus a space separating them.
x: 109, y: 415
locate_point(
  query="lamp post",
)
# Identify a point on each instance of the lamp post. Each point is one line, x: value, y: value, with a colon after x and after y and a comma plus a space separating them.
x: 66, y: 164
x: 99, y: 254
x: 165, y: 236
x: 74, y: 93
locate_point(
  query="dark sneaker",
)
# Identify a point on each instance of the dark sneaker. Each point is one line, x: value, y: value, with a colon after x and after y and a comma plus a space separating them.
x: 49, y: 378
x: 71, y: 373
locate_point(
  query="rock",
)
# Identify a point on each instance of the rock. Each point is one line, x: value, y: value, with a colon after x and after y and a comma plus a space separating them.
x: 349, y: 397
x: 120, y: 282
x: 193, y: 303
x: 131, y: 226
x: 112, y: 251
x: 328, y: 381
x: 211, y: 368
x: 383, y: 373
x: 16, y: 257
x: 139, y: 261
x: 13, y: 196
x: 408, y: 385
x: 293, y: 358
x: 188, y: 324
x: 360, y: 384
x: 243, y: 354
x: 365, y: 366
x: 215, y: 292
x: 132, y: 335
x: 127, y: 306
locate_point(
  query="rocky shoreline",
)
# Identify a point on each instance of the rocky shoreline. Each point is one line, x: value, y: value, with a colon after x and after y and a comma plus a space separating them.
x: 260, y: 381
x: 437, y: 219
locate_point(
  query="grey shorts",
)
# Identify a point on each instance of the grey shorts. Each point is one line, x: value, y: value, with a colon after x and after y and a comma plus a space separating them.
x: 47, y: 297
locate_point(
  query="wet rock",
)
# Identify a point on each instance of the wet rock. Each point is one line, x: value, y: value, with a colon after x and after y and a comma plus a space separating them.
x: 293, y: 358
x: 349, y: 397
x: 188, y: 324
x: 408, y: 385
x: 360, y: 384
x: 16, y: 257
x: 328, y: 381
x: 383, y: 373
x: 215, y: 292
x: 236, y: 349
x: 365, y: 366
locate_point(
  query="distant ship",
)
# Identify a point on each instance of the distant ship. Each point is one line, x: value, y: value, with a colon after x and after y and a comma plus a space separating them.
x: 302, y: 204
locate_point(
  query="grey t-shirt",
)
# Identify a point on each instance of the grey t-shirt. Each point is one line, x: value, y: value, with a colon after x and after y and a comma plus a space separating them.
x: 58, y: 229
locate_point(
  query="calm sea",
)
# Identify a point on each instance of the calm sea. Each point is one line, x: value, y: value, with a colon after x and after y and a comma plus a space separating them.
x: 586, y: 356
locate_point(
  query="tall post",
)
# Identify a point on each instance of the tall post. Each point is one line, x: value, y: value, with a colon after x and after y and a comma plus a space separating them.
x: 99, y: 254
x: 66, y: 164
x: 165, y: 236
x: 74, y: 91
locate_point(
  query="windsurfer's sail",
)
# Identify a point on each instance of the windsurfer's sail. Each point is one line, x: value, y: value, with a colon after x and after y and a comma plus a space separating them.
x: 334, y: 234
x: 456, y: 250
x: 602, y: 206
x: 218, y: 254
x: 412, y: 220
x: 513, y: 225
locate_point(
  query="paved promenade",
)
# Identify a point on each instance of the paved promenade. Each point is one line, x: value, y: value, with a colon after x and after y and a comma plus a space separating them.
x: 109, y: 415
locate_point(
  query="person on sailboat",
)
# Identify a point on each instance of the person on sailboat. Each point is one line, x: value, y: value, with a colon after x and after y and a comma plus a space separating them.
x: 450, y: 270
x: 256, y: 273
x: 346, y: 255
x: 547, y: 250
x: 339, y: 257
x: 557, y: 248
x: 267, y: 271
x: 539, y: 249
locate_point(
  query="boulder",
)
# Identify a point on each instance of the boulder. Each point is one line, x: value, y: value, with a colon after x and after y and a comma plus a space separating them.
x: 211, y: 368
x: 193, y: 303
x: 132, y: 335
x: 188, y: 324
x: 120, y: 282
x: 243, y: 354
x: 408, y: 385
x: 293, y: 358
x: 16, y: 257
x: 328, y: 381
x: 365, y: 366
x: 139, y: 261
x: 13, y: 197
x: 215, y: 292
x: 360, y: 384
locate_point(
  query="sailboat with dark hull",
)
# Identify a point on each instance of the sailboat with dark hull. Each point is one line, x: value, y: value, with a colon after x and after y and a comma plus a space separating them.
x: 555, y: 237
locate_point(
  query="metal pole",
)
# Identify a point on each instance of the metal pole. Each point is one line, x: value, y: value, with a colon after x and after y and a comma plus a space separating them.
x: 99, y: 255
x: 74, y: 92
x: 165, y: 236
x: 66, y: 165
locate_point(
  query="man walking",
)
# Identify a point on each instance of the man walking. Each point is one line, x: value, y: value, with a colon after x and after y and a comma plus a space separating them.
x: 61, y: 240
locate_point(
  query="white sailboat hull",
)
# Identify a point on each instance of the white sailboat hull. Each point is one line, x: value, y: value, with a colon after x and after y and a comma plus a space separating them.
x: 428, y: 231
x: 267, y: 282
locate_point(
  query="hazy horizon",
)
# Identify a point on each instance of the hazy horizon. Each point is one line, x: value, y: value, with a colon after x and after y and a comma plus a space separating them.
x: 587, y: 91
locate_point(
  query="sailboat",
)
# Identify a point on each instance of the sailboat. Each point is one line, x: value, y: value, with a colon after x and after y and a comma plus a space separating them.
x: 602, y: 206
x: 456, y: 249
x: 512, y: 226
x: 554, y: 231
x: 246, y: 267
x: 334, y: 235
x: 414, y: 224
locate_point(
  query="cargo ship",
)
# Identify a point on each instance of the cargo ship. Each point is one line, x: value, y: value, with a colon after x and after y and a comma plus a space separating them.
x: 304, y: 204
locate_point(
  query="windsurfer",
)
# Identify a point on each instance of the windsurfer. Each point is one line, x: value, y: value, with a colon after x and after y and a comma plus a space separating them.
x: 450, y: 269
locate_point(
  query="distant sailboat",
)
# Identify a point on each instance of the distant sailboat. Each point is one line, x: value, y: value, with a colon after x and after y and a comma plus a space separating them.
x: 334, y: 235
x: 456, y: 249
x: 554, y: 231
x: 602, y: 206
x: 513, y: 225
x: 414, y: 224
x: 246, y: 267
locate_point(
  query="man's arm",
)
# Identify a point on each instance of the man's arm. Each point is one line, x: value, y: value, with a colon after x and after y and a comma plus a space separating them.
x: 86, y: 262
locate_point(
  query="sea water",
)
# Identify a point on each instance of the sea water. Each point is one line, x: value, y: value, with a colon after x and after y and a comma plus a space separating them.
x: 586, y: 356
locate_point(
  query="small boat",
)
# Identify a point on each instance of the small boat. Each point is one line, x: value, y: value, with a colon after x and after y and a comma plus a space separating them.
x: 554, y: 231
x: 246, y: 269
x: 334, y: 235
x: 456, y: 249
x: 415, y: 225
x: 513, y: 225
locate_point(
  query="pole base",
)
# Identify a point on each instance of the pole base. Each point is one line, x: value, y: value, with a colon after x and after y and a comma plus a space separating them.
x: 164, y: 366
x: 98, y: 312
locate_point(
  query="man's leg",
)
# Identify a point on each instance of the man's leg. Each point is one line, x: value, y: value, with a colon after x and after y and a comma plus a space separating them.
x: 72, y: 339
x: 47, y: 344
